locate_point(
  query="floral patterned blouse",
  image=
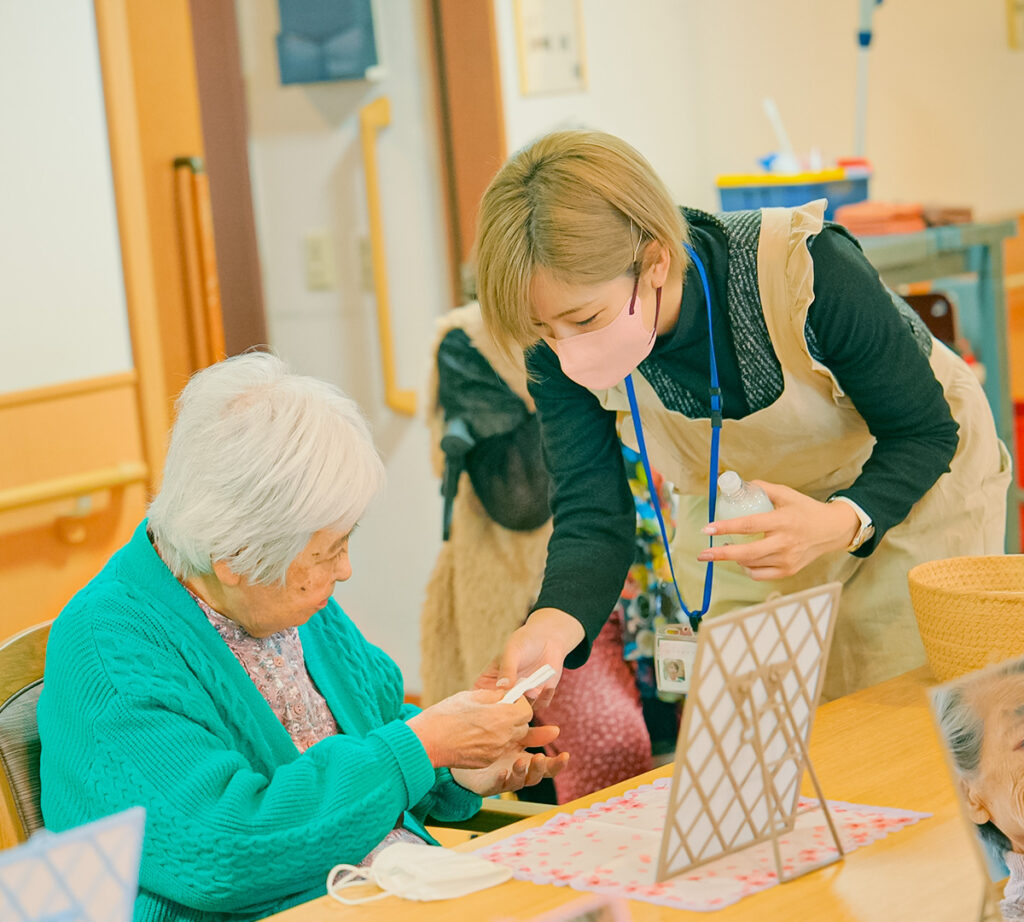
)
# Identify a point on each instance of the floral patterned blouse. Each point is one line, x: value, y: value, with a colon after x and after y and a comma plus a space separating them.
x: 277, y: 667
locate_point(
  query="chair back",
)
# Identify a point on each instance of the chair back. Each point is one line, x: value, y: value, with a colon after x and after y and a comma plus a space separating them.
x: 22, y: 658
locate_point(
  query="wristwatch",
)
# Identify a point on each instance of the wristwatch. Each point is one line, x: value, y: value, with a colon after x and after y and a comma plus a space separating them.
x: 866, y: 530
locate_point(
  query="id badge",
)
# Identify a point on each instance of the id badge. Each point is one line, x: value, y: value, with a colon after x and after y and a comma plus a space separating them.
x: 675, y: 649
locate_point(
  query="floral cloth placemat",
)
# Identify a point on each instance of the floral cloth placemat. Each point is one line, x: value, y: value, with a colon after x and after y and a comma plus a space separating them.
x: 612, y: 848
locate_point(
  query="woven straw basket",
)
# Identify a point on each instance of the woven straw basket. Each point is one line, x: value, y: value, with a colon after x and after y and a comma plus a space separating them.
x: 970, y: 611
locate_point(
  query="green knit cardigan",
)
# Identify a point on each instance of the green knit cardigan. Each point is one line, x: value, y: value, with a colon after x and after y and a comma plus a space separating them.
x: 144, y: 704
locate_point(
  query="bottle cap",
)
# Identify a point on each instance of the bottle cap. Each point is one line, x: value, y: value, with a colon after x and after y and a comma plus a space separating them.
x: 730, y: 483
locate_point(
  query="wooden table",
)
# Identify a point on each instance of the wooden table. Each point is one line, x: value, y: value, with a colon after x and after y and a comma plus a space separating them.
x: 876, y: 747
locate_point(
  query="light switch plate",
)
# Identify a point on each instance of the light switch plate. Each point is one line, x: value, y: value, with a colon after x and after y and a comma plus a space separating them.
x: 319, y: 257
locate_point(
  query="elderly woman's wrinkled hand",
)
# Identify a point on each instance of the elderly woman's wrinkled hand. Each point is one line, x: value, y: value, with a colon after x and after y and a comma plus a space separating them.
x: 517, y: 770
x: 472, y: 729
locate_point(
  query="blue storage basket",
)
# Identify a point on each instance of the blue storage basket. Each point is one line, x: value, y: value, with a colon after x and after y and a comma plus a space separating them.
x: 743, y: 197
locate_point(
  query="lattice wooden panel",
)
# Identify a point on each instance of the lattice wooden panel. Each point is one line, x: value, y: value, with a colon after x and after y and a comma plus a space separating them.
x: 746, y: 723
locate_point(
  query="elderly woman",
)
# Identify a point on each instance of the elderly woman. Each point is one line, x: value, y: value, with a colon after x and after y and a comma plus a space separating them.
x: 982, y: 723
x: 207, y: 673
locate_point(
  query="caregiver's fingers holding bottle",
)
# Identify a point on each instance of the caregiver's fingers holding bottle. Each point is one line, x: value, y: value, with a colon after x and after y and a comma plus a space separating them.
x: 548, y: 636
x: 798, y: 531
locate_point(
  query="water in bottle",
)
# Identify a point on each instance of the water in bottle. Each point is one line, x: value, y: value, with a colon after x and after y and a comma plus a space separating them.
x: 737, y: 498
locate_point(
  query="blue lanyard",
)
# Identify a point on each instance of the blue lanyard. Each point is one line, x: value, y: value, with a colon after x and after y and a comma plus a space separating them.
x: 716, y: 431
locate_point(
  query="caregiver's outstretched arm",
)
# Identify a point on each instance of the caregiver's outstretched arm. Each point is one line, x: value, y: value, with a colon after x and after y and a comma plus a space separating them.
x: 547, y: 637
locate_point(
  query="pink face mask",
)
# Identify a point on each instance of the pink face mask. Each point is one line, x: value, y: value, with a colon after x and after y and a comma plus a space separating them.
x: 602, y: 358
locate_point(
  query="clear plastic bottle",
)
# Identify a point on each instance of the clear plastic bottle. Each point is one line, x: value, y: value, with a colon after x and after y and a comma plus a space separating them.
x: 736, y: 497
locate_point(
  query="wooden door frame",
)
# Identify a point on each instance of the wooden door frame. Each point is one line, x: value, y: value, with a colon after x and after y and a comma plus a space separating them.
x: 225, y: 121
x: 133, y: 225
x: 472, y: 118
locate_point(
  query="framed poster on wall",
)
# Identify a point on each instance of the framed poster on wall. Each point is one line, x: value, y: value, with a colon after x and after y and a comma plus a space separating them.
x: 549, y: 41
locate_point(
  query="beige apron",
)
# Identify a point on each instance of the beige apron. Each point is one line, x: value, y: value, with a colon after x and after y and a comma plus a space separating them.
x: 813, y: 440
x: 486, y: 578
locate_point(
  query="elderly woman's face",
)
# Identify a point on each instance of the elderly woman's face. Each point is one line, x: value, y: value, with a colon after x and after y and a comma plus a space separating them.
x: 996, y: 792
x: 309, y: 584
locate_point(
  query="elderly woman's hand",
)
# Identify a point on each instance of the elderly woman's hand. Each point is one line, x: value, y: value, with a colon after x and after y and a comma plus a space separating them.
x: 472, y: 729
x: 517, y: 770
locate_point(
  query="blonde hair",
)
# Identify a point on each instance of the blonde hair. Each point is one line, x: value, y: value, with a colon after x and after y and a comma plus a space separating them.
x: 577, y: 203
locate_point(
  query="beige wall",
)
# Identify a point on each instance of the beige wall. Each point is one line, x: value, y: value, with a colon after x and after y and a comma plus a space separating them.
x: 684, y: 81
x: 945, y: 118
x: 639, y: 85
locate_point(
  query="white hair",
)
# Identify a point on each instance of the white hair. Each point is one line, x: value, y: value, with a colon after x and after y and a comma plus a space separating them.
x: 259, y: 460
x: 964, y: 733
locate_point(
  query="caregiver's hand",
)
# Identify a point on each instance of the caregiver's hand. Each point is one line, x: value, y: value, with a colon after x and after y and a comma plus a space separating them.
x: 548, y: 636
x: 796, y: 532
x: 518, y: 769
x: 472, y: 729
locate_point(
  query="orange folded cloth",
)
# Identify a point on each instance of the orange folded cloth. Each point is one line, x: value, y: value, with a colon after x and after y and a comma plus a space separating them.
x: 872, y: 218
x: 935, y: 215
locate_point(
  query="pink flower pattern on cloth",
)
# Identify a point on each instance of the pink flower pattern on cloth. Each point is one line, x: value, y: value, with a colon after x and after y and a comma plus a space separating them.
x: 277, y: 667
x: 612, y: 848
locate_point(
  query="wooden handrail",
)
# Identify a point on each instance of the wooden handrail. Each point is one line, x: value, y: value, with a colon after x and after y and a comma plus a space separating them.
x: 373, y: 117
x: 74, y: 485
x: 202, y: 286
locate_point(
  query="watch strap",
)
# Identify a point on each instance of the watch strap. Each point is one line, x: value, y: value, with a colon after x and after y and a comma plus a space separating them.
x: 867, y: 528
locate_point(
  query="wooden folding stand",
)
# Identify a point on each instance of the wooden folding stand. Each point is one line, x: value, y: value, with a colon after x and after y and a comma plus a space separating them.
x: 742, y: 749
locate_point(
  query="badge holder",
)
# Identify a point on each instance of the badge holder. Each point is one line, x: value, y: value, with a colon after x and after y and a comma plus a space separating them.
x: 675, y: 650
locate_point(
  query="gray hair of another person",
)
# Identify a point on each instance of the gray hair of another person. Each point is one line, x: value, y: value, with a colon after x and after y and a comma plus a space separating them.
x: 260, y: 459
x: 964, y: 732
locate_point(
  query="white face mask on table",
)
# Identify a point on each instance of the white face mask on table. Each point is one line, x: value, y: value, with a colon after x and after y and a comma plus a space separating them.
x: 418, y: 872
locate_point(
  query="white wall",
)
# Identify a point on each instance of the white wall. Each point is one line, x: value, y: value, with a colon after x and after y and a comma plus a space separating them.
x: 945, y: 118
x: 62, y: 313
x: 638, y: 59
x: 307, y: 175
x: 683, y: 81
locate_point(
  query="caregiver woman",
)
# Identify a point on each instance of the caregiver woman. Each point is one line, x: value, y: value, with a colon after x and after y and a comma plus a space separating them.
x: 873, y: 440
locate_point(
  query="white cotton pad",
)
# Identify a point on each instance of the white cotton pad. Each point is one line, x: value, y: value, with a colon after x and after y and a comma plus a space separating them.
x: 531, y: 681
